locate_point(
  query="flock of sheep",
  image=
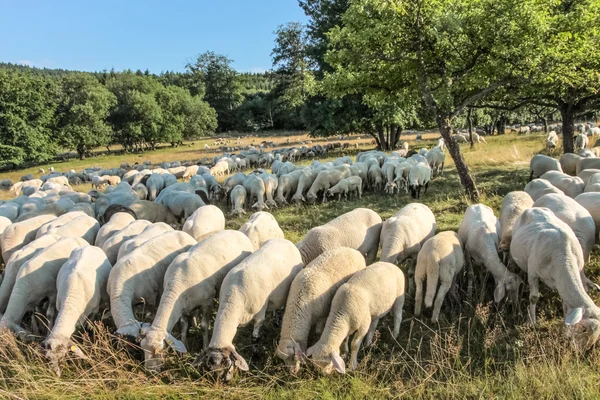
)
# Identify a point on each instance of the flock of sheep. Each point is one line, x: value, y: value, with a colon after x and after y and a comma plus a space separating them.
x: 152, y: 246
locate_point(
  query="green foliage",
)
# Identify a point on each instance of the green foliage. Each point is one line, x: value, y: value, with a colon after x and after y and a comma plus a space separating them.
x: 11, y: 156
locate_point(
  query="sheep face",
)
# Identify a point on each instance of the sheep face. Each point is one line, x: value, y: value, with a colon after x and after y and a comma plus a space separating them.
x: 509, y: 285
x: 154, y: 346
x: 298, y: 198
x: 291, y: 353
x: 326, y: 359
x: 586, y: 333
x: 224, y: 361
x: 57, y: 349
x: 311, y: 197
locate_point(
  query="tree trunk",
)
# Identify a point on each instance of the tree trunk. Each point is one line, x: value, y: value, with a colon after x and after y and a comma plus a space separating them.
x: 81, y: 151
x: 396, y: 131
x: 545, y: 122
x: 568, y: 127
x: 466, y: 179
x: 470, y: 125
x: 376, y: 140
x: 381, y: 140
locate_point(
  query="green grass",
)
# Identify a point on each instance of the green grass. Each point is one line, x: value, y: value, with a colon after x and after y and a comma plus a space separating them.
x: 476, y: 351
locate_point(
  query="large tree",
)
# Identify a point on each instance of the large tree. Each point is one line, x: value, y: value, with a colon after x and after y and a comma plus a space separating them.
x: 81, y: 114
x: 446, y: 51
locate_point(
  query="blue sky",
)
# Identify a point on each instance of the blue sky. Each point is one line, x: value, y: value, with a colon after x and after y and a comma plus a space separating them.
x: 158, y: 35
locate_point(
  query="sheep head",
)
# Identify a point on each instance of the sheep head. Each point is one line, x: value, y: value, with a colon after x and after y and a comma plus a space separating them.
x: 326, y: 358
x: 57, y: 348
x: 508, y: 285
x: 155, y: 344
x: 222, y: 360
x: 291, y: 353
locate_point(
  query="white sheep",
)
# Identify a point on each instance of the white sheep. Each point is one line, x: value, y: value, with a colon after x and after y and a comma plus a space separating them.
x: 117, y: 222
x: 80, y: 292
x: 571, y: 186
x: 237, y: 199
x: 325, y: 180
x: 154, y: 212
x: 479, y: 233
x: 138, y: 277
x: 513, y: 206
x: 304, y: 184
x: 591, y: 202
x: 36, y: 281
x: 568, y: 163
x: 19, y: 234
x: 149, y: 232
x: 112, y: 246
x: 440, y: 260
x: 540, y: 164
x: 288, y: 185
x: 356, y: 308
x: 587, y: 163
x: 83, y: 226
x: 419, y: 177
x: 541, y: 187
x: 358, y: 229
x: 310, y: 298
x: 204, y: 222
x: 258, y: 284
x: 255, y: 189
x: 581, y: 141
x: 261, y: 227
x: 192, y: 281
x: 271, y: 183
x: 436, y: 159
x: 547, y: 250
x: 375, y: 178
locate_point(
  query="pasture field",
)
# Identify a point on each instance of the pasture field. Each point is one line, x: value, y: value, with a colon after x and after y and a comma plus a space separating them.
x: 477, y: 350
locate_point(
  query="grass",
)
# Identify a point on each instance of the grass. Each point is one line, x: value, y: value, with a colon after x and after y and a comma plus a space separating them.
x: 476, y: 351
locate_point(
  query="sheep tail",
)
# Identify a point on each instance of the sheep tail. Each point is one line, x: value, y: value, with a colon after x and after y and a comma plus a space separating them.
x: 433, y: 276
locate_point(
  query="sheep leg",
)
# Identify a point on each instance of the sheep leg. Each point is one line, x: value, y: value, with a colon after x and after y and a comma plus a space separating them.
x: 371, y: 254
x: 397, y: 309
x: 418, y: 296
x: 470, y: 274
x: 371, y: 332
x: 534, y: 295
x: 345, y: 348
x: 320, y: 326
x: 259, y: 319
x: 412, y: 266
x: 206, y: 311
x: 51, y: 312
x: 34, y: 323
x: 355, y: 347
x: 184, y: 326
x: 437, y: 305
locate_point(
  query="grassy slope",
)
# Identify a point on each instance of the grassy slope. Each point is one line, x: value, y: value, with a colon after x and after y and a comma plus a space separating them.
x: 476, y: 351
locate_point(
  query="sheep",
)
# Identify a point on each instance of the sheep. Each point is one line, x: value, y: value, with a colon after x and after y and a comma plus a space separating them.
x: 571, y: 186
x: 587, y: 163
x: 117, y: 222
x: 258, y: 284
x: 568, y: 163
x: 419, y: 176
x: 440, y: 260
x: 255, y: 189
x: 341, y: 188
x: 86, y: 208
x: 581, y: 141
x: 204, y: 222
x: 182, y: 204
x: 36, y: 281
x: 310, y: 298
x: 58, y: 222
x: 540, y: 164
x: 586, y: 174
x: 192, y: 281
x: 80, y: 292
x: 83, y: 226
x: 547, y: 250
x: 154, y: 212
x: 305, y: 182
x: 551, y: 140
x: 287, y: 186
x: 154, y: 184
x: 513, y: 206
x: 358, y: 229
x: 19, y: 234
x: 10, y: 210
x: 149, y: 232
x: 540, y: 187
x: 479, y: 233
x: 138, y: 277
x: 436, y: 159
x: 575, y: 216
x: 375, y: 178
x: 356, y: 308
x: 261, y: 227
x: 404, y: 233
x: 325, y: 180
x: 591, y: 202
x: 14, y: 263
x: 593, y: 184
x: 271, y: 183
x: 233, y: 181
x: 112, y: 245
x: 237, y: 199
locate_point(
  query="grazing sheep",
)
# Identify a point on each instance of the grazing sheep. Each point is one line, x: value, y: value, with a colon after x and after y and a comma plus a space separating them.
x: 138, y: 277
x: 310, y: 298
x: 237, y: 199
x: 568, y: 163
x: 571, y: 186
x: 540, y: 187
x: 581, y: 141
x: 436, y: 159
x: 271, y: 183
x: 117, y: 222
x: 479, y: 233
x: 358, y: 229
x: 305, y: 182
x: 36, y: 281
x: 440, y: 260
x: 587, y: 174
x: 591, y: 202
x: 10, y: 210
x: 260, y: 228
x: 80, y: 292
x: 419, y: 177
x: 84, y: 227
x: 258, y: 284
x: 204, y: 222
x: 513, y: 206
x: 154, y: 212
x: 375, y: 178
x: 182, y: 204
x: 255, y: 189
x: 540, y: 164
x: 325, y: 180
x: 356, y: 308
x: 587, y: 163
x: 112, y: 245
x: 551, y: 140
x: 547, y: 250
x: 192, y: 281
x: 149, y: 232
x: 154, y: 184
x: 19, y: 234
x: 287, y: 186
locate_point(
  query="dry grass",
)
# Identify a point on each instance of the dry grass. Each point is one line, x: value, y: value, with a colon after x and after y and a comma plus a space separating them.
x: 476, y: 351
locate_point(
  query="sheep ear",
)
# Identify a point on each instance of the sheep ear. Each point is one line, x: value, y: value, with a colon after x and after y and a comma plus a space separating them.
x: 500, y: 292
x: 239, y: 361
x: 574, y: 317
x: 338, y: 363
x: 176, y: 345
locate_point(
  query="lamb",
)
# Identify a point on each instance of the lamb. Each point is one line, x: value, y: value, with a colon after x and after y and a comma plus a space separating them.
x: 237, y: 199
x: 513, y: 206
x: 591, y: 202
x: 568, y: 163
x: 83, y: 226
x: 540, y: 187
x: 325, y: 180
x: 305, y: 182
x: 260, y: 228
x: 154, y: 212
x: 358, y: 229
x: 149, y: 232
x: 572, y: 186
x: 287, y: 186
x: 80, y: 292
x: 341, y: 188
x: 357, y: 307
x: 36, y: 281
x: 138, y: 277
x: 113, y: 244
x: 117, y: 222
x: 540, y: 164
x: 192, y: 281
x: 440, y: 260
x: 547, y: 250
x: 13, y: 265
x: 310, y: 298
x: 204, y: 222
x: 575, y: 216
x: 19, y: 234
x: 258, y: 284
x: 479, y: 233
x: 419, y: 176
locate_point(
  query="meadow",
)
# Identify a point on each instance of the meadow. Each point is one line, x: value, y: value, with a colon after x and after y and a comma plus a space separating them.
x: 478, y: 350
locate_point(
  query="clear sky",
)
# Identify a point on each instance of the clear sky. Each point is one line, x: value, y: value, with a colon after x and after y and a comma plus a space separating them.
x: 159, y: 35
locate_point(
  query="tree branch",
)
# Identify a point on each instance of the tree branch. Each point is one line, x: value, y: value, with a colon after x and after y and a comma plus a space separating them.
x: 479, y: 95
